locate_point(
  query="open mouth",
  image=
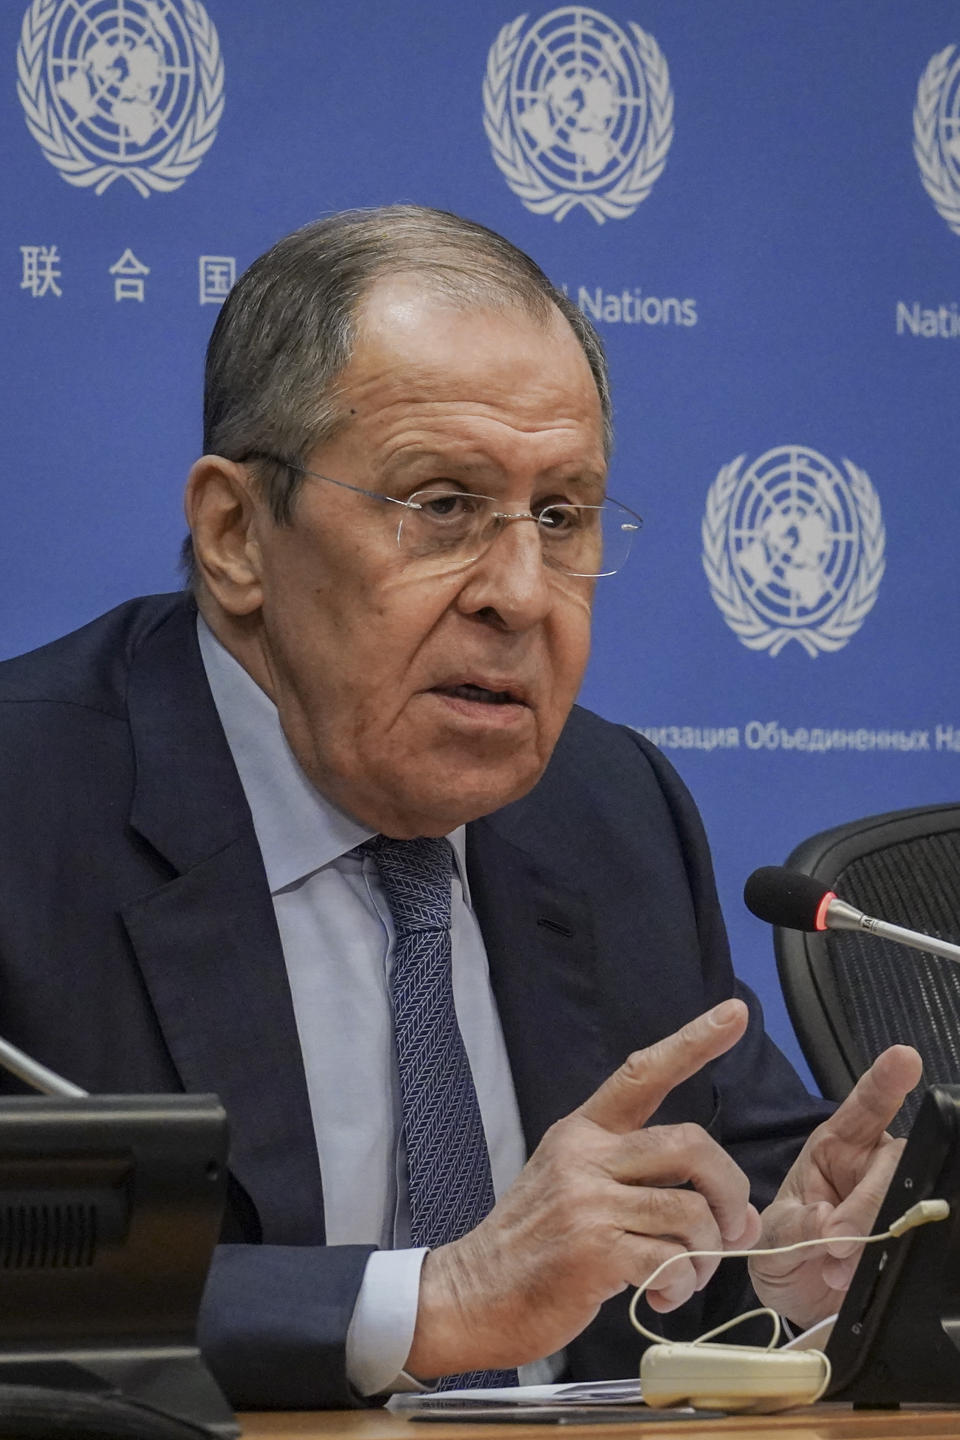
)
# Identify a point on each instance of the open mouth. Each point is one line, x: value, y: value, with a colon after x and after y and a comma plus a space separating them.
x: 480, y: 694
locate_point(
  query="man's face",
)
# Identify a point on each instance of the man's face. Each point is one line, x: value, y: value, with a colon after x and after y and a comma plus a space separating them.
x: 417, y: 699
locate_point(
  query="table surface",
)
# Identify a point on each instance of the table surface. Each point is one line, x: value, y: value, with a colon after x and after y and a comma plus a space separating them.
x: 817, y: 1422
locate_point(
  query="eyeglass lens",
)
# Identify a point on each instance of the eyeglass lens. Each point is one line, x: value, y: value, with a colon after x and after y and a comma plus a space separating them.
x: 458, y: 527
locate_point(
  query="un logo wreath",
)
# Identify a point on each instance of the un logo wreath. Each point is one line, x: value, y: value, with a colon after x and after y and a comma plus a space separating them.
x: 754, y: 632
x: 620, y: 201
x: 936, y: 178
x: 175, y: 164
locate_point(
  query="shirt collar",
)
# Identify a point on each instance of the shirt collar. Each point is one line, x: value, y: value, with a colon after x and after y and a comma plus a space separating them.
x: 298, y: 829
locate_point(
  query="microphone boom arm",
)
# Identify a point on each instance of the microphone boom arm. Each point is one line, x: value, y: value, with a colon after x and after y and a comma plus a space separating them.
x: 841, y: 916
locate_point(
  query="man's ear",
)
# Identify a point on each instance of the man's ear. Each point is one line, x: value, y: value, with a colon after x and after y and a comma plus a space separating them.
x: 222, y: 512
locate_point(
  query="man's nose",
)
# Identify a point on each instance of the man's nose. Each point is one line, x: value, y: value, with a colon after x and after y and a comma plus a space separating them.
x: 510, y: 577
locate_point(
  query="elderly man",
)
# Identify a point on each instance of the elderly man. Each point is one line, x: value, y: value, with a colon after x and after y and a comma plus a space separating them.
x: 327, y: 836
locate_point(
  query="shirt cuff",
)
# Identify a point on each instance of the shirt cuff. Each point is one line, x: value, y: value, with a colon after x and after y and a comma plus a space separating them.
x: 384, y: 1319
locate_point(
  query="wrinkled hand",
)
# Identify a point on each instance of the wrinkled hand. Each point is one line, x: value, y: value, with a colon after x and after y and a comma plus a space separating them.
x: 595, y: 1209
x: 834, y: 1187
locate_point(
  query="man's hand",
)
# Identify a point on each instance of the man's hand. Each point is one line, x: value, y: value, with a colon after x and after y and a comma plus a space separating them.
x: 596, y: 1208
x: 834, y: 1187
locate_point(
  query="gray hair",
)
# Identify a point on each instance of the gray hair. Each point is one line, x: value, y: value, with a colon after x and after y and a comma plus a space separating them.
x: 286, y: 331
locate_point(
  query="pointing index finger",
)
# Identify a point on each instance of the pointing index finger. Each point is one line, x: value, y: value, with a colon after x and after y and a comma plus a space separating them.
x: 877, y: 1096
x: 629, y: 1097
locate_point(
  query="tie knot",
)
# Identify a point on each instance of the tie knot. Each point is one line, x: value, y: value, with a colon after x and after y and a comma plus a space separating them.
x: 416, y: 877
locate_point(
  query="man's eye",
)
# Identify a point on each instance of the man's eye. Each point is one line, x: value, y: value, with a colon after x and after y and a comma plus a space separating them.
x: 559, y: 519
x: 446, y: 507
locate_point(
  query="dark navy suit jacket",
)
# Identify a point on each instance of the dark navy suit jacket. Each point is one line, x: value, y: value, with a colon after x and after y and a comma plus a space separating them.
x: 139, y: 952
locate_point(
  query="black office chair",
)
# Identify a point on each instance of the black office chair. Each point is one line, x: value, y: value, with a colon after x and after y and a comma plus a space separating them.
x: 851, y: 995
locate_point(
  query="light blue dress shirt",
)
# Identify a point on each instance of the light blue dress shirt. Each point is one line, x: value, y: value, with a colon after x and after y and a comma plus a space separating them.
x: 337, y: 938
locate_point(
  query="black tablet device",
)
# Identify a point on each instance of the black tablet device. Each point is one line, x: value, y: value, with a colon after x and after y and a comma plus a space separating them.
x: 897, y: 1337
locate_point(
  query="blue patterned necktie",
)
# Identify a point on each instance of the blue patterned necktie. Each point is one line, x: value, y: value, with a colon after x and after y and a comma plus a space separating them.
x: 448, y: 1166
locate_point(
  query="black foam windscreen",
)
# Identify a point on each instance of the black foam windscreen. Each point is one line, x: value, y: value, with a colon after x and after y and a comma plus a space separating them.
x: 785, y: 897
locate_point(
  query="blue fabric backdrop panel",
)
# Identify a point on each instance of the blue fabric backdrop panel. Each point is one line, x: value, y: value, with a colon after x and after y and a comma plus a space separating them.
x: 759, y: 207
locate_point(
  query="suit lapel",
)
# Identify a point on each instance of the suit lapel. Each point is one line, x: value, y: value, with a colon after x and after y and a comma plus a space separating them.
x: 207, y: 941
x: 539, y: 939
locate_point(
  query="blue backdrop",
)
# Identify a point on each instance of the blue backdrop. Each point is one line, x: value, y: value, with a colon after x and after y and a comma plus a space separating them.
x: 759, y: 205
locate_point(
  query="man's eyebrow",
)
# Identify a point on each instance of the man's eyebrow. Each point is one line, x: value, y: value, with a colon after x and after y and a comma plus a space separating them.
x: 466, y: 465
x: 411, y: 459
x: 593, y: 481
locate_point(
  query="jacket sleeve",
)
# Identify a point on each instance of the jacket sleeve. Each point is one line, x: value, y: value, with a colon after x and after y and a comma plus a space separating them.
x: 765, y: 1112
x: 273, y: 1324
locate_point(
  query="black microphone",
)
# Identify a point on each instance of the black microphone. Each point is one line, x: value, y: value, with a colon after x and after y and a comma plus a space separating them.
x: 796, y: 901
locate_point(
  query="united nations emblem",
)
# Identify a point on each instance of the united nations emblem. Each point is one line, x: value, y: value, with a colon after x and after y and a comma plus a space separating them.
x: 578, y: 112
x: 936, y: 133
x: 793, y: 549
x: 112, y: 88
